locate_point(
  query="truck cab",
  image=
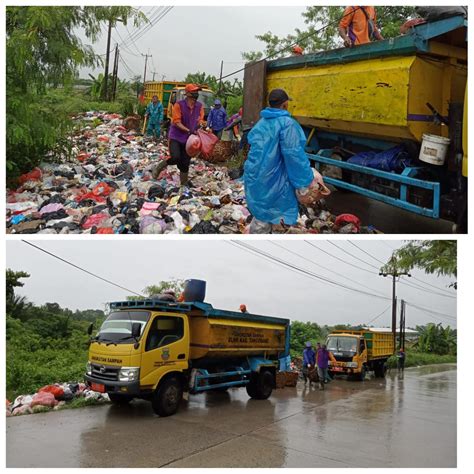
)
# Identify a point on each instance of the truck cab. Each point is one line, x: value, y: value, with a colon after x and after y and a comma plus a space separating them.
x: 358, y: 351
x: 156, y: 350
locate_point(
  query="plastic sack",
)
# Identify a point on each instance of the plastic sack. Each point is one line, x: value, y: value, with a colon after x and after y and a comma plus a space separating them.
x: 208, y: 142
x: 345, y: 219
x: 45, y: 399
x: 193, y: 145
x: 23, y: 410
x: 102, y: 189
x: 95, y: 220
x: 316, y: 191
x: 34, y: 175
x: 431, y: 13
x: 394, y: 159
x: 58, y: 392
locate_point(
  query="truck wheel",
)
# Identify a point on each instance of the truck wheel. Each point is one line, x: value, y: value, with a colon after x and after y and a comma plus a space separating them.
x: 363, y: 371
x: 118, y: 399
x: 261, y: 385
x: 167, y: 397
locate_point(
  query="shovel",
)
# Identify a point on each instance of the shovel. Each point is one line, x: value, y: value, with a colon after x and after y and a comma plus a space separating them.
x: 144, y: 124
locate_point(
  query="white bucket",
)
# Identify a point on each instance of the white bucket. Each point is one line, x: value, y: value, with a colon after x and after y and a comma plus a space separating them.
x: 434, y: 149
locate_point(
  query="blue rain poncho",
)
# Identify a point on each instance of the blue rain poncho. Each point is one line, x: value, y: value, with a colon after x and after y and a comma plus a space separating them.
x: 276, y: 166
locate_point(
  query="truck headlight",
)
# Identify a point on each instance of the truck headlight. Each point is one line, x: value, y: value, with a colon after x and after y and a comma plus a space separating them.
x: 352, y: 365
x: 129, y: 374
x: 89, y: 368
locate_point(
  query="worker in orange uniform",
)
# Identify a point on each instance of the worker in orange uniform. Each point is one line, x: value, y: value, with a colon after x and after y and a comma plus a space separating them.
x: 297, y: 50
x: 358, y: 26
x: 187, y: 116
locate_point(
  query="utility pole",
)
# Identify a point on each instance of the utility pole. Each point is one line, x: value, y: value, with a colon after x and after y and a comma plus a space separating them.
x: 395, y: 274
x: 402, y: 325
x: 115, y: 74
x: 154, y: 72
x: 146, y: 60
x: 107, y: 56
x: 220, y: 76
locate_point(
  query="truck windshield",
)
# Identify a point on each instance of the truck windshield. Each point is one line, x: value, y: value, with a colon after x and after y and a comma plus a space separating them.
x: 342, y: 344
x: 118, y: 325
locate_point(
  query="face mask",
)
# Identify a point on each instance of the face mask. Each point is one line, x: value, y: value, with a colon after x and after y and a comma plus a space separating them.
x: 194, y: 95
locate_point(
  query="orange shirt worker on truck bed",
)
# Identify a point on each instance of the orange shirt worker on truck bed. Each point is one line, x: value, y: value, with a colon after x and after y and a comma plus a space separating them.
x: 358, y: 26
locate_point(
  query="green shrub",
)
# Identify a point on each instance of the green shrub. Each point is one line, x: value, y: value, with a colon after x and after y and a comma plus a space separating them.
x: 415, y: 359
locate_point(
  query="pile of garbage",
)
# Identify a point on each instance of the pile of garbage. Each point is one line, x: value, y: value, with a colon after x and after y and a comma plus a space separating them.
x: 106, y: 187
x: 52, y: 397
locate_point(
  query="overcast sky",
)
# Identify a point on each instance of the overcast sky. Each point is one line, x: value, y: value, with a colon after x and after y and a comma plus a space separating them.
x: 233, y: 276
x: 192, y: 39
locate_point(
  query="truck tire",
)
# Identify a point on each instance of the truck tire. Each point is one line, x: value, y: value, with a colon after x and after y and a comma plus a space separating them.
x: 261, y: 385
x: 361, y: 376
x: 167, y: 397
x: 118, y: 399
x: 380, y: 370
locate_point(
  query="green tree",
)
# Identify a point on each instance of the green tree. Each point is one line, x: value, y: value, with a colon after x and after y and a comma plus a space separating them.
x: 433, y: 338
x: 176, y: 285
x: 433, y: 256
x: 300, y: 333
x: 13, y: 281
x: 43, y: 52
x: 389, y: 20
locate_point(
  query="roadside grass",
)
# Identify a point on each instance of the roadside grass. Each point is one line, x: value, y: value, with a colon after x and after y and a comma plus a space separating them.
x: 415, y: 359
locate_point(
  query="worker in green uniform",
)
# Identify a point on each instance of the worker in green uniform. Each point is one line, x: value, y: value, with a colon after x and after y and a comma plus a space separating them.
x: 154, y: 115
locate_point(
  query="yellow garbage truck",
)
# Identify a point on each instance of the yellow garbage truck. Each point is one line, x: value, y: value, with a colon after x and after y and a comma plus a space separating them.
x: 170, y: 92
x: 156, y: 350
x: 387, y: 118
x: 357, y: 351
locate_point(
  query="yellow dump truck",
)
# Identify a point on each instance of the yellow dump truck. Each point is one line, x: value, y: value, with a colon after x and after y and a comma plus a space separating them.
x: 169, y: 92
x: 360, y: 350
x: 368, y: 100
x: 156, y: 350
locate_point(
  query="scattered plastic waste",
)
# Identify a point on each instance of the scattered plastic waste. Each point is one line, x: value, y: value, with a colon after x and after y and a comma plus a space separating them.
x: 107, y: 187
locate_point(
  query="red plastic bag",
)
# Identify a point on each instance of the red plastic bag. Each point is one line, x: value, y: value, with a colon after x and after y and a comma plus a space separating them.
x: 208, y: 142
x: 95, y: 220
x: 105, y: 230
x: 91, y: 195
x: 193, y: 145
x: 33, y: 175
x: 58, y: 392
x: 45, y: 399
x: 102, y: 189
x: 344, y: 219
x: 83, y: 156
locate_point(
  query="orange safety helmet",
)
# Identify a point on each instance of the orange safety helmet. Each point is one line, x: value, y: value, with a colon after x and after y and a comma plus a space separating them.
x: 297, y: 50
x: 192, y: 88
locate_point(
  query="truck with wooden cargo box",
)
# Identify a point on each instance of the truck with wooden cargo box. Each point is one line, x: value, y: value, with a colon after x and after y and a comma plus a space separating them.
x: 409, y: 90
x: 170, y: 92
x: 156, y: 350
x: 357, y: 351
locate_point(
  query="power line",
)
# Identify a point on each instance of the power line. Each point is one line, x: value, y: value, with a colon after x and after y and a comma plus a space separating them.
x: 422, y: 308
x: 325, y: 268
x: 340, y: 259
x: 448, y: 321
x: 367, y: 253
x: 82, y: 269
x: 418, y: 287
x: 354, y: 256
x: 306, y: 272
x: 294, y: 44
x: 378, y: 316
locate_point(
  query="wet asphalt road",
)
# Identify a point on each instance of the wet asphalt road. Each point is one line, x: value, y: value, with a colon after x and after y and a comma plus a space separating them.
x: 409, y: 422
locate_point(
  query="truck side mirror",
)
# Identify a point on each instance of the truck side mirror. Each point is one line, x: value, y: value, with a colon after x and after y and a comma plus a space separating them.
x: 136, y: 329
x: 173, y: 98
x: 90, y: 328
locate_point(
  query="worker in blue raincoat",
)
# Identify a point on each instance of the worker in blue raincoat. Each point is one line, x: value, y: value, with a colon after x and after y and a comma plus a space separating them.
x: 276, y: 167
x: 154, y: 114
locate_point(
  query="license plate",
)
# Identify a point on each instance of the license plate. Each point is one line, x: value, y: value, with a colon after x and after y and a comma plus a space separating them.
x: 98, y: 387
x: 337, y: 369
